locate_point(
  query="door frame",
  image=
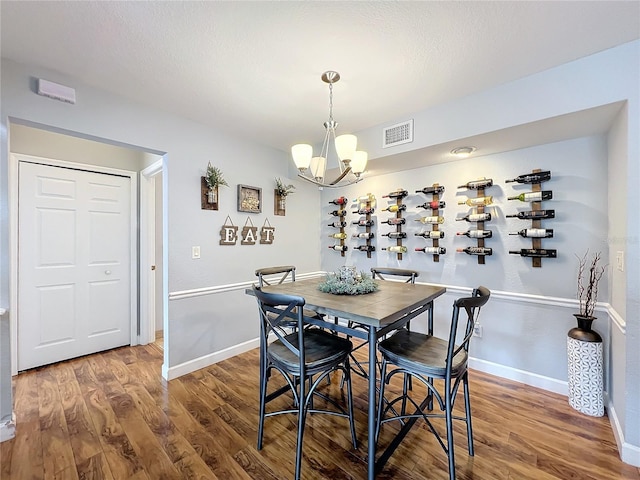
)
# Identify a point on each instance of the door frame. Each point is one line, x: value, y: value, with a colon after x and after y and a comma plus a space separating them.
x: 14, y: 159
x: 148, y: 253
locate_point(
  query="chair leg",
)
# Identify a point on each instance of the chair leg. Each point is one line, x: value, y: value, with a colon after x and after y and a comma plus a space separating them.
x: 383, y: 372
x: 467, y: 408
x: 406, y: 386
x: 263, y: 394
x: 352, y: 422
x: 302, y: 409
x: 449, y: 420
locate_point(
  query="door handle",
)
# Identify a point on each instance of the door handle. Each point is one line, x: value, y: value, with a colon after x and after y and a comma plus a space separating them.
x: 107, y: 272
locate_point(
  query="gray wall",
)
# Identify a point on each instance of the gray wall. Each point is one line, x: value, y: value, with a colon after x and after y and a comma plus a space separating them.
x: 531, y: 339
x: 42, y: 143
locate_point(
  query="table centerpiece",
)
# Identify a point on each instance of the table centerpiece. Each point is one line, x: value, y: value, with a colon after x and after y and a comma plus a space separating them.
x: 348, y: 282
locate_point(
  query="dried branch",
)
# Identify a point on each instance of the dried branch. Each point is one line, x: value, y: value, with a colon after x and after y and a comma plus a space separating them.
x: 588, y: 295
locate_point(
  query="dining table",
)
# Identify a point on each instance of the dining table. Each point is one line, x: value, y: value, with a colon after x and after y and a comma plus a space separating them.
x: 369, y: 317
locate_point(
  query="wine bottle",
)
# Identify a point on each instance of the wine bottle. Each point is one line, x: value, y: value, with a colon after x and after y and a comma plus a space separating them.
x: 395, y: 234
x: 534, y: 232
x: 435, y: 234
x: 533, y: 196
x: 395, y: 221
x: 337, y: 224
x: 365, y: 248
x: 396, y: 249
x: 534, y: 214
x: 430, y: 220
x: 369, y: 197
x: 427, y: 190
x: 338, y: 235
x: 364, y: 211
x: 535, y: 252
x: 395, y: 208
x: 476, y: 217
x: 476, y: 250
x: 339, y: 248
x: 477, y: 233
x: 339, y: 201
x: 433, y: 205
x: 338, y: 213
x: 363, y: 223
x: 531, y: 177
x: 476, y: 184
x: 363, y: 235
x: 399, y: 193
x: 477, y: 201
x: 434, y: 250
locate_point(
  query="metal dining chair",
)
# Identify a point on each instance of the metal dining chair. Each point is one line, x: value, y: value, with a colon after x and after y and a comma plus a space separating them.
x: 382, y: 273
x: 278, y: 275
x: 425, y: 357
x: 275, y: 275
x: 304, y: 358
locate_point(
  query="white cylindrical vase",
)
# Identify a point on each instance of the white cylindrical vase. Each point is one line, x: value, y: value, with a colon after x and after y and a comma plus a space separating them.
x: 586, y: 373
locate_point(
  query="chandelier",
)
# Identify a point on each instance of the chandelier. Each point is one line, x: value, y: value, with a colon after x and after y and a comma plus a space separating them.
x: 351, y: 162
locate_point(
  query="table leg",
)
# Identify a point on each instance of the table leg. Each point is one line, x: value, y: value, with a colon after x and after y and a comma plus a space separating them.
x: 373, y: 373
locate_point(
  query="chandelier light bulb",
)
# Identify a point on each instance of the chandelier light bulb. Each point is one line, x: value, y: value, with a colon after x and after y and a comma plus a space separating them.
x: 359, y: 162
x: 318, y: 167
x: 346, y: 146
x: 302, y: 154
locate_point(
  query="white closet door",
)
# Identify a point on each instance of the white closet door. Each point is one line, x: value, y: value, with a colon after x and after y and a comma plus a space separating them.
x: 74, y: 285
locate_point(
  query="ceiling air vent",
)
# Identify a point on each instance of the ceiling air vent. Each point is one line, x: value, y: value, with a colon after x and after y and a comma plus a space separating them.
x: 397, y: 134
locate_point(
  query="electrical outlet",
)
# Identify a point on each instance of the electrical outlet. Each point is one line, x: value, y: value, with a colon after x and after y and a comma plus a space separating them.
x: 195, y: 252
x: 477, y: 330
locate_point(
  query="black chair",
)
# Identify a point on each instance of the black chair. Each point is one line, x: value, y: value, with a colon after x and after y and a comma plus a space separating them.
x: 278, y: 275
x: 267, y: 276
x: 380, y: 273
x: 304, y: 358
x: 426, y: 357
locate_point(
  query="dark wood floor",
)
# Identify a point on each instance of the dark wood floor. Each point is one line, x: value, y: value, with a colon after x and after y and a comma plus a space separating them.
x: 110, y: 416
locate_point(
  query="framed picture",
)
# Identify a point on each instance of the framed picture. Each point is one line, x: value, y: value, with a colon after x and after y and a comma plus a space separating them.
x: 249, y: 199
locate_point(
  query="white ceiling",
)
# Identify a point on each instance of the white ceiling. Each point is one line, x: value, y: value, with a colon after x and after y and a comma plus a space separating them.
x: 253, y: 68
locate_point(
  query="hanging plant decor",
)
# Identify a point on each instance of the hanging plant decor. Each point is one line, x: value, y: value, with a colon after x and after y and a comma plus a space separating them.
x: 280, y: 195
x: 209, y: 187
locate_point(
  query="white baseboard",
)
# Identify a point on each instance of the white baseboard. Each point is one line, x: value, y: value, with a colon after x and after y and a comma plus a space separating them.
x: 528, y: 378
x: 207, y: 360
x: 8, y: 429
x: 628, y: 453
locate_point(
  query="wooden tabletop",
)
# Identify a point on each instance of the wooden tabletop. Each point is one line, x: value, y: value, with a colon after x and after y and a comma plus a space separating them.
x: 390, y: 302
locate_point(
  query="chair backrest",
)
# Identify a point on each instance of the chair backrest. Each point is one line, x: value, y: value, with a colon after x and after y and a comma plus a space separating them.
x: 381, y: 272
x: 471, y: 305
x: 276, y: 312
x: 264, y: 274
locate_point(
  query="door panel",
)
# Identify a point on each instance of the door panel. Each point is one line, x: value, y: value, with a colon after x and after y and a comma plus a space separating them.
x: 74, y: 285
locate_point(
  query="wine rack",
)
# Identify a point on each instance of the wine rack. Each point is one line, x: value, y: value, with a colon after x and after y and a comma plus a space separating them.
x: 366, y: 207
x: 480, y: 203
x: 339, y: 222
x: 398, y: 207
x: 535, y: 179
x: 435, y: 190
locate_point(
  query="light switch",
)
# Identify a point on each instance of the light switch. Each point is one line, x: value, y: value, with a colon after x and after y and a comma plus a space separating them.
x: 195, y: 252
x: 620, y: 261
